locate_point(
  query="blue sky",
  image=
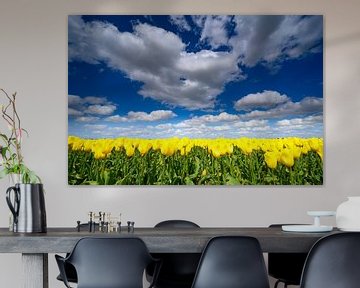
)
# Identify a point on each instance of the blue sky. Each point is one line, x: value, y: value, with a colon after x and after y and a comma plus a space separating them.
x: 198, y: 76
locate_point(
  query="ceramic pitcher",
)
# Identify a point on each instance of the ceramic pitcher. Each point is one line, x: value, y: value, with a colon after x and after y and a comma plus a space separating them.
x: 27, y: 204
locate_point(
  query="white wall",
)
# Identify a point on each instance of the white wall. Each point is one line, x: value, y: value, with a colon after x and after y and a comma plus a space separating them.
x: 33, y: 62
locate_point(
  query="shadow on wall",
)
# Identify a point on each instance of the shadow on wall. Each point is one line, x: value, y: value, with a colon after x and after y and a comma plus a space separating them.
x: 135, y: 7
x: 344, y: 39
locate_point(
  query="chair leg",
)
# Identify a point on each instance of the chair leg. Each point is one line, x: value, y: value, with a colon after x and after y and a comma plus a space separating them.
x: 278, y: 282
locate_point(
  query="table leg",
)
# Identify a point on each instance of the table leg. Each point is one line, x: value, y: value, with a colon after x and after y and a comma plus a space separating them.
x: 35, y: 270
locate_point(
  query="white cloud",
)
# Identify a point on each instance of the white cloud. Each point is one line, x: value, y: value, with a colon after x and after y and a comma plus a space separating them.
x: 74, y: 112
x: 180, y: 22
x: 199, y: 20
x: 214, y: 30
x: 307, y: 106
x: 156, y: 115
x: 199, y: 120
x: 74, y: 100
x: 207, y: 127
x: 272, y: 39
x: 203, y: 128
x: 100, y: 109
x: 266, y: 39
x: 153, y: 116
x: 87, y: 109
x: 97, y: 131
x: 311, y: 126
x: 251, y: 124
x: 93, y: 100
x: 87, y: 119
x: 300, y: 122
x: 222, y: 117
x: 116, y: 118
x: 212, y: 126
x: 95, y: 126
x: 263, y: 100
x: 193, y: 80
x: 158, y: 59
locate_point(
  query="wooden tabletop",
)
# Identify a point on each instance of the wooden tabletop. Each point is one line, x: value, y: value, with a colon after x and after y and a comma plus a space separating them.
x: 158, y: 240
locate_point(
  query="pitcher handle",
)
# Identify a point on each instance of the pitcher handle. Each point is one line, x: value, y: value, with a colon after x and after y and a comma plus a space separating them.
x: 13, y: 208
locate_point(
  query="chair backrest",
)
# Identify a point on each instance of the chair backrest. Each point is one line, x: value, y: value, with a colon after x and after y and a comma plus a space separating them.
x: 286, y: 267
x: 178, y: 269
x: 333, y: 262
x: 110, y: 262
x: 176, y: 224
x: 232, y: 262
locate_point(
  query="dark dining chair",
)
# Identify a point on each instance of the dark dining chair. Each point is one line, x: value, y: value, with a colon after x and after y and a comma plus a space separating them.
x: 333, y: 262
x: 178, y: 269
x: 70, y: 271
x: 286, y: 267
x: 232, y: 262
x: 108, y: 263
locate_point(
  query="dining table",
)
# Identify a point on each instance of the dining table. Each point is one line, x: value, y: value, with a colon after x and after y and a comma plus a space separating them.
x: 35, y: 247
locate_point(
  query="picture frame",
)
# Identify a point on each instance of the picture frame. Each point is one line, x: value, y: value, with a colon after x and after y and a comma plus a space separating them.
x: 195, y: 100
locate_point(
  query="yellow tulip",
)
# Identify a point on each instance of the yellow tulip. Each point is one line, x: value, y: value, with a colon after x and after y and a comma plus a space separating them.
x: 216, y: 152
x: 144, y: 147
x: 284, y: 150
x: 320, y: 153
x: 287, y: 158
x: 130, y: 150
x: 271, y: 159
x: 167, y: 150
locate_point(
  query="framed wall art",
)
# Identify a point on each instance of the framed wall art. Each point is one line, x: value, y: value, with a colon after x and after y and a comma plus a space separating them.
x: 195, y: 100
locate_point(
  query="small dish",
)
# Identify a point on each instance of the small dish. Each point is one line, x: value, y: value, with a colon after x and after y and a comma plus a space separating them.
x: 321, y: 213
x: 316, y: 227
x: 306, y: 228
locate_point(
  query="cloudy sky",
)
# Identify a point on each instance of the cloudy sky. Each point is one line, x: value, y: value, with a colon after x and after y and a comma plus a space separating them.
x: 195, y: 76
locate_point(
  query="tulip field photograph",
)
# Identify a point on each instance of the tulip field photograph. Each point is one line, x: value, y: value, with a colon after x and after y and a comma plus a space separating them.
x: 195, y: 100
